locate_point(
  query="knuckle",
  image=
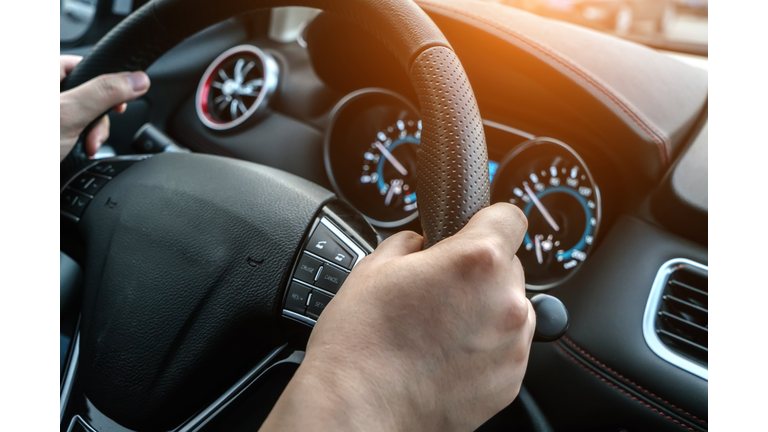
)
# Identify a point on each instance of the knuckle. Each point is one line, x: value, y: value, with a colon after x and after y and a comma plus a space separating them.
x: 408, y: 237
x: 482, y: 254
x: 402, y: 240
x: 520, y: 353
x: 112, y: 86
x: 518, y: 312
x: 506, y: 218
x: 517, y: 268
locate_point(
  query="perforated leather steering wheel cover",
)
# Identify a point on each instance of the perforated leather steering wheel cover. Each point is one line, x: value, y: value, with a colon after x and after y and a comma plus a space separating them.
x: 454, y: 158
x: 454, y: 183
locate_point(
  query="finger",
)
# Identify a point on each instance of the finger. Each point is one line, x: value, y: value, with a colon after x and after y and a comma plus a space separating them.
x: 66, y: 64
x: 120, y: 108
x: 503, y: 223
x: 92, y: 99
x: 97, y: 136
x: 400, y: 244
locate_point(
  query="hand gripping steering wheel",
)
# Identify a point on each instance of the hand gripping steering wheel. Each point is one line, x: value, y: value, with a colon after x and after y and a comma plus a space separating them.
x: 187, y: 257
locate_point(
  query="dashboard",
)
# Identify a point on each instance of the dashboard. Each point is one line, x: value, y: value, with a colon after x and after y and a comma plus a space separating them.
x: 593, y: 152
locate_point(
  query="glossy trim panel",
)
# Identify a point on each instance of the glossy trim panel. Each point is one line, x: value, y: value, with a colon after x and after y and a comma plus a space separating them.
x: 66, y: 387
x: 82, y: 422
x: 298, y: 317
x: 198, y: 421
x: 651, y: 313
x: 509, y: 129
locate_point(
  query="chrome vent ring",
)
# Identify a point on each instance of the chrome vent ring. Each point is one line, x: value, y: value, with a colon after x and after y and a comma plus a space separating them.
x: 237, y: 85
x: 663, y: 339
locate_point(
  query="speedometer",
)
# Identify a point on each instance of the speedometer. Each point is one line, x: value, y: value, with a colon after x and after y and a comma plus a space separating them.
x: 554, y: 188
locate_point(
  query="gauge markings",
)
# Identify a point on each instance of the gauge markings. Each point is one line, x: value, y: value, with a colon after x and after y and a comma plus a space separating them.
x: 549, y: 182
x: 389, y: 165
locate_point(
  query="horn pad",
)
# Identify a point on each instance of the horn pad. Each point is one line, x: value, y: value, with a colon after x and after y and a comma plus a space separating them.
x: 185, y: 269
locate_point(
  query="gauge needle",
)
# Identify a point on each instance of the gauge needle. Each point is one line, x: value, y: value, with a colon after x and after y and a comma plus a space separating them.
x: 395, y: 163
x: 394, y: 189
x: 541, y: 207
x: 539, y: 257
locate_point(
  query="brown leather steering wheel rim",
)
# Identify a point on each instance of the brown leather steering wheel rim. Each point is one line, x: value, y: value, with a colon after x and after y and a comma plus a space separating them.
x: 453, y: 158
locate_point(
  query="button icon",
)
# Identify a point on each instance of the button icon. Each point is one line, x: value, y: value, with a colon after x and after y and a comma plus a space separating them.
x: 331, y: 279
x: 297, y: 297
x: 329, y: 247
x: 307, y: 270
x: 317, y: 304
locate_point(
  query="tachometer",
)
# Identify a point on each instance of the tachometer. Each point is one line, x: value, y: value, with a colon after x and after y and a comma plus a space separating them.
x: 389, y: 168
x: 370, y: 155
x: 555, y: 189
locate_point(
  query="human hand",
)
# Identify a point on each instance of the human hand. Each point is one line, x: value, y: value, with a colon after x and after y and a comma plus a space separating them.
x: 419, y: 340
x: 79, y: 106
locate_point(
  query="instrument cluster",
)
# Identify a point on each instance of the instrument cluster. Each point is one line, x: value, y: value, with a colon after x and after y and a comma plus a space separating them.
x: 370, y: 157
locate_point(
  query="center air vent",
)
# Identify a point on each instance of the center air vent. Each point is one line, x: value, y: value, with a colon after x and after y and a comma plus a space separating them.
x: 676, y: 321
x: 235, y: 86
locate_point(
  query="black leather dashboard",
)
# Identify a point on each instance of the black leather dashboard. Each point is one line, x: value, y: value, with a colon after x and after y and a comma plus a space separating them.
x: 606, y: 300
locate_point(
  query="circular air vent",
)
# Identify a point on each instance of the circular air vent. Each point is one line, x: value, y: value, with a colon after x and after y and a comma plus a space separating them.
x: 235, y: 86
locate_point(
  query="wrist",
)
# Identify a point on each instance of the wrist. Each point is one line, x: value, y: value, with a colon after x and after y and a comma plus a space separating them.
x: 323, y: 398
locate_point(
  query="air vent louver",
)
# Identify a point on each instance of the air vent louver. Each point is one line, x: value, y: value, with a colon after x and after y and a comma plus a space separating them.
x: 683, y: 322
x: 676, y: 319
x: 236, y: 86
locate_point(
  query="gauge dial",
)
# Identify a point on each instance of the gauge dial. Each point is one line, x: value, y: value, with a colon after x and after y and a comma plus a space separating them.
x: 370, y: 155
x: 554, y: 188
x: 389, y: 167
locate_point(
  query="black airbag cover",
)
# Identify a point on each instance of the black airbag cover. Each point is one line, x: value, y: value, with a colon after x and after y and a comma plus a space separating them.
x: 187, y: 256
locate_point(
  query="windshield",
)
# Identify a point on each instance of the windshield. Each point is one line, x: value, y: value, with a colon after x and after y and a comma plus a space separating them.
x: 676, y: 25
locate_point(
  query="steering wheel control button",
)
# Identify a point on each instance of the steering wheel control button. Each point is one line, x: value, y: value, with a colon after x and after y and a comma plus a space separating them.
x: 110, y: 169
x: 296, y: 301
x: 89, y: 183
x: 307, y: 269
x: 325, y: 244
x: 74, y: 202
x: 331, y: 279
x: 317, y: 304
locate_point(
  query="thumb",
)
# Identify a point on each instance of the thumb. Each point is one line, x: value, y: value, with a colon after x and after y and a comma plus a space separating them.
x: 90, y: 100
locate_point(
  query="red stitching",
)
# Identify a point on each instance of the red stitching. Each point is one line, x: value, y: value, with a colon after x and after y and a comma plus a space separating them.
x: 578, y: 348
x: 660, y: 139
x: 619, y: 388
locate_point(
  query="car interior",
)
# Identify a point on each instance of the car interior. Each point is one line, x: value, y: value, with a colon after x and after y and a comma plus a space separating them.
x: 281, y: 142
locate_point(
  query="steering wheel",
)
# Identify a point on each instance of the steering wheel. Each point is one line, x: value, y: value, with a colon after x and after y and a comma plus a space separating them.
x: 188, y: 257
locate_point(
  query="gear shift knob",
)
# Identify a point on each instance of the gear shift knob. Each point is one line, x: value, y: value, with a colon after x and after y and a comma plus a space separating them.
x: 551, y: 318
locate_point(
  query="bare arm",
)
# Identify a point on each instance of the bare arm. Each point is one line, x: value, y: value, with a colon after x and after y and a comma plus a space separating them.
x: 419, y: 340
